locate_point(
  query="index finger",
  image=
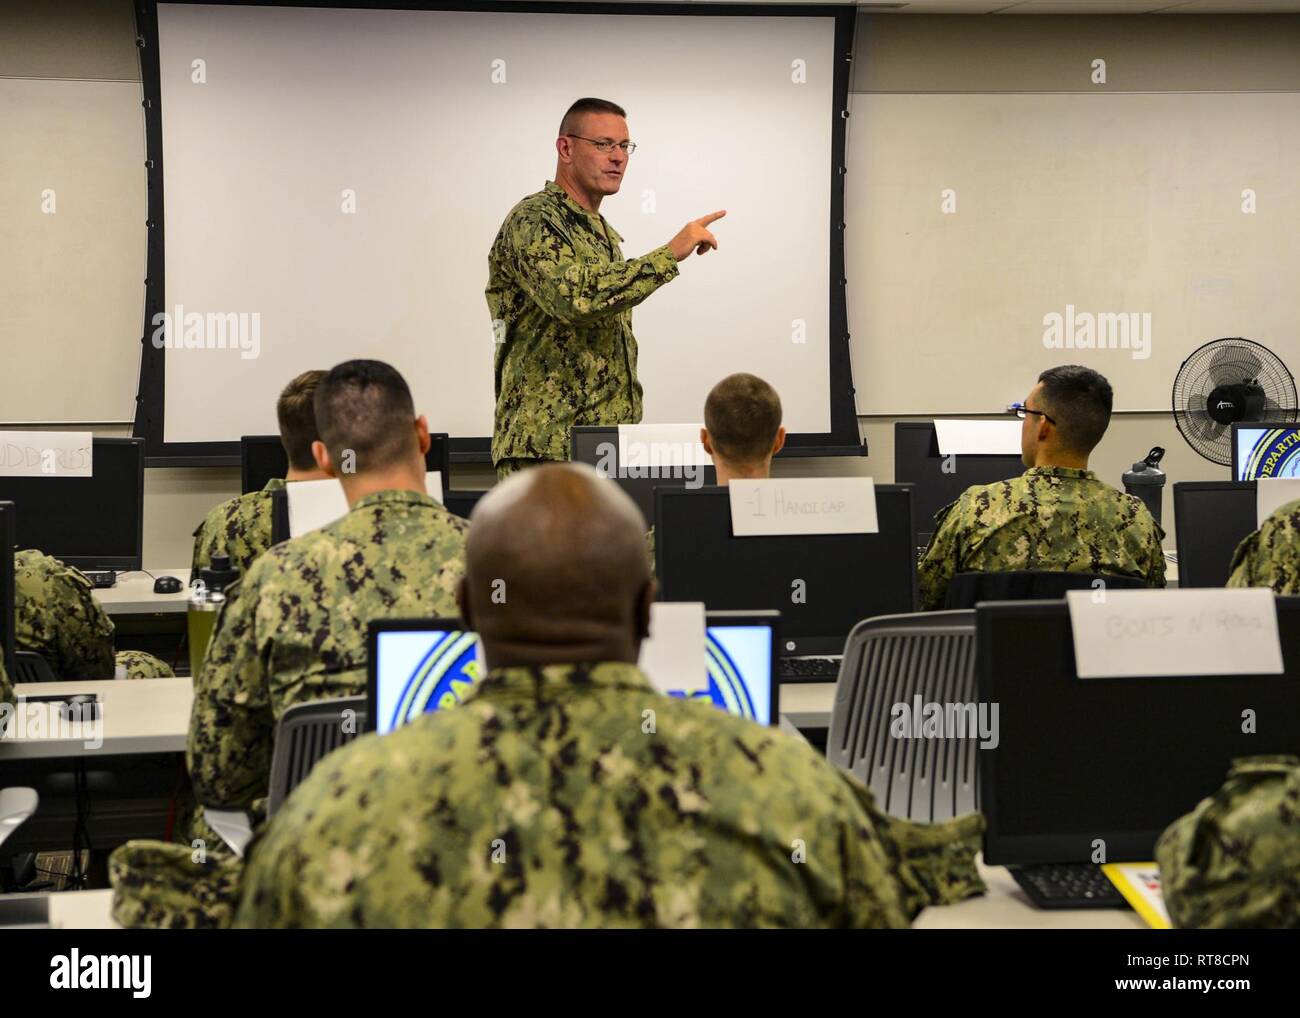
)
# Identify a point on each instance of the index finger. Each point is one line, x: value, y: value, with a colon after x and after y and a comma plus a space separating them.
x: 706, y: 220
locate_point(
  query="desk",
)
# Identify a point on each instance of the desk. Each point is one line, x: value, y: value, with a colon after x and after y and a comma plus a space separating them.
x: 134, y: 594
x: 807, y: 704
x: 137, y: 716
x: 82, y: 910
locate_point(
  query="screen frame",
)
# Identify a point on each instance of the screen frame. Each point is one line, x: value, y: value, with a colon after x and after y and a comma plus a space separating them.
x: 1183, y: 535
x: 1254, y: 426
x: 843, y: 438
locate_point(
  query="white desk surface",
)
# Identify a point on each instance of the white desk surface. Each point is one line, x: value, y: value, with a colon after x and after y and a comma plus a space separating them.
x: 134, y: 594
x: 137, y: 716
x: 82, y: 910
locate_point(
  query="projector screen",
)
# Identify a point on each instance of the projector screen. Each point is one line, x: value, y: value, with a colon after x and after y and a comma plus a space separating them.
x: 334, y: 179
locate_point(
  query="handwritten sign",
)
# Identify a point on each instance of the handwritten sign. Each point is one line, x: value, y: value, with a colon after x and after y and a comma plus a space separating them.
x: 803, y: 505
x: 1272, y: 493
x: 977, y: 438
x: 1188, y: 631
x: 646, y: 446
x: 673, y: 657
x: 45, y: 453
x: 315, y: 504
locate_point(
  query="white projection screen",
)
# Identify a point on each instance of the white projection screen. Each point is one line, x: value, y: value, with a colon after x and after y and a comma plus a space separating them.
x: 342, y: 173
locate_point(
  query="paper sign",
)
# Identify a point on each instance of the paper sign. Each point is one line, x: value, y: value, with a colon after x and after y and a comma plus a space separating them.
x: 660, y: 446
x: 673, y: 658
x: 1271, y: 493
x: 977, y: 438
x: 45, y: 453
x: 803, y: 505
x: 314, y: 504
x: 1139, y: 882
x: 1188, y: 631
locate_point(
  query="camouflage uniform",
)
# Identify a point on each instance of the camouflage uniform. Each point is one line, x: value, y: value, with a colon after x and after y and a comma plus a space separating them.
x: 6, y: 687
x: 1056, y: 519
x: 293, y: 629
x: 56, y: 615
x: 240, y: 528
x: 561, y: 298
x: 1234, y: 861
x: 1270, y: 557
x: 543, y: 800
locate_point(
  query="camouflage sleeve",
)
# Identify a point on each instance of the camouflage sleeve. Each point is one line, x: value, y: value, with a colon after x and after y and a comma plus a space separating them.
x: 1234, y: 861
x: 231, y: 727
x: 58, y: 617
x: 1243, y: 562
x: 205, y: 536
x: 939, y: 564
x: 269, y: 898
x: 6, y: 687
x: 1156, y: 574
x: 577, y: 292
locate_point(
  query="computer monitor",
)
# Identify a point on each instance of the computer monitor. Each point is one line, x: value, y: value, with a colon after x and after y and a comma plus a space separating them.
x: 7, y: 607
x: 823, y: 584
x: 417, y: 666
x: 262, y: 457
x: 597, y: 446
x: 1212, y: 518
x: 94, y: 522
x: 1086, y: 763
x: 937, y: 480
x: 1265, y: 449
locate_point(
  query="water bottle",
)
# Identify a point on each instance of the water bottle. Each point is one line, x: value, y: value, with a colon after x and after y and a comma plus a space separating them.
x: 1147, y: 481
x: 207, y: 596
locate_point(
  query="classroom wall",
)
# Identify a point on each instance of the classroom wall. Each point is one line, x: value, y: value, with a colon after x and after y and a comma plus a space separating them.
x: 61, y: 47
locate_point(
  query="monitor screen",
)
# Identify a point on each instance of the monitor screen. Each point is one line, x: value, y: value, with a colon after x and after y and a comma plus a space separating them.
x: 262, y: 457
x: 424, y: 666
x: 823, y: 585
x: 1264, y: 449
x: 1086, y: 763
x: 94, y: 522
x: 597, y: 446
x: 1212, y: 518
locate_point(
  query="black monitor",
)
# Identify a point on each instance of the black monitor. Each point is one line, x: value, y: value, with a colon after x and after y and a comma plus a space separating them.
x: 1079, y: 761
x: 939, y: 480
x: 1265, y: 449
x: 262, y: 457
x: 94, y: 522
x: 7, y: 605
x: 845, y: 577
x: 597, y: 446
x: 1212, y: 518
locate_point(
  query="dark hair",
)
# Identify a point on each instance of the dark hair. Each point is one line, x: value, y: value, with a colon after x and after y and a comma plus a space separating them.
x: 296, y: 412
x: 582, y: 107
x: 1079, y: 400
x: 743, y: 414
x: 366, y: 406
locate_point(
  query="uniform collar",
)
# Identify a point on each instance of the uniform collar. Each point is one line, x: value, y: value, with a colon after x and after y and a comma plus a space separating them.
x: 553, y: 188
x: 1087, y: 475
x: 395, y: 496
x: 549, y: 681
x: 275, y: 484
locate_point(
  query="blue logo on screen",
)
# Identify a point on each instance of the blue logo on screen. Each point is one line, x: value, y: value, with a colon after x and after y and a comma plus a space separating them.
x: 727, y: 688
x: 441, y: 679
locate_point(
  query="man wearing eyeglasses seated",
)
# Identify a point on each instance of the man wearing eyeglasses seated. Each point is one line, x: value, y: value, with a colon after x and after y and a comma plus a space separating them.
x: 561, y: 295
x: 1057, y: 516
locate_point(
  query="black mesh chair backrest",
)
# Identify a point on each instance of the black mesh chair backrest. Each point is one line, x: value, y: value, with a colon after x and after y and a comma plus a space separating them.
x: 966, y: 589
x: 306, y: 733
x: 31, y: 667
x: 893, y: 659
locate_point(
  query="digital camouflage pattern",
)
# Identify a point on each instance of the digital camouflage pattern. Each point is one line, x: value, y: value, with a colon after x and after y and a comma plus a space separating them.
x: 561, y: 296
x: 6, y: 686
x: 1234, y: 861
x: 1055, y: 519
x: 240, y: 528
x: 550, y: 798
x: 158, y: 885
x: 293, y: 629
x: 1270, y: 557
x: 56, y: 615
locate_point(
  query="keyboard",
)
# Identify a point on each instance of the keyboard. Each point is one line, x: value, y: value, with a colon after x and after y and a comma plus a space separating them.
x: 810, y: 669
x: 100, y: 579
x: 1068, y: 885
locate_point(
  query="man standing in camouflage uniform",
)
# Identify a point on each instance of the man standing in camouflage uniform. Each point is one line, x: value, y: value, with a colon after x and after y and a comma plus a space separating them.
x: 565, y: 791
x: 561, y: 296
x: 1234, y: 861
x: 56, y: 615
x: 1057, y: 516
x: 241, y: 527
x: 293, y: 629
x: 1270, y: 557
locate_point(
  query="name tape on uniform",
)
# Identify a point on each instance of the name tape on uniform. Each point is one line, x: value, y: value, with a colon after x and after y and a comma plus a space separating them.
x: 1133, y: 633
x: 673, y: 656
x: 315, y: 504
x: 45, y: 453
x: 642, y: 446
x: 803, y: 505
x: 977, y: 438
x: 1272, y: 493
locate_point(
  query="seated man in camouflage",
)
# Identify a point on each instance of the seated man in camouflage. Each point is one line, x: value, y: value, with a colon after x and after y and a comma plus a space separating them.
x: 241, y: 527
x: 564, y: 791
x: 1270, y: 557
x: 742, y: 431
x: 56, y: 615
x: 1234, y: 861
x: 293, y: 628
x: 1058, y: 516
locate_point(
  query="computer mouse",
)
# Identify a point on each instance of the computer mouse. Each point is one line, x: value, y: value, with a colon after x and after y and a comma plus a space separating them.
x: 167, y: 585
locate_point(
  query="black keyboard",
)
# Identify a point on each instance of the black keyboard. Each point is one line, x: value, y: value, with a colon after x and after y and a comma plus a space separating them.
x: 1068, y: 885
x: 810, y: 669
x: 100, y: 578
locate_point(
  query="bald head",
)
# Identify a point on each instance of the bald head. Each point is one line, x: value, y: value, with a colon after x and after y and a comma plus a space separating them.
x: 556, y: 569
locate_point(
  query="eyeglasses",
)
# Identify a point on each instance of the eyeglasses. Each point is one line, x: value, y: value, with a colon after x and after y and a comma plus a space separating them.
x: 605, y: 145
x: 1019, y: 409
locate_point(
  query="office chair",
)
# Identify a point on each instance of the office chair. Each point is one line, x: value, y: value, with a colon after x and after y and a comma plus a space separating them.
x: 30, y: 666
x: 966, y: 589
x: 307, y: 732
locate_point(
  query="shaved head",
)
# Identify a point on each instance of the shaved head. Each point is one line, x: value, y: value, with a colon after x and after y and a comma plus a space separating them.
x: 556, y: 570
